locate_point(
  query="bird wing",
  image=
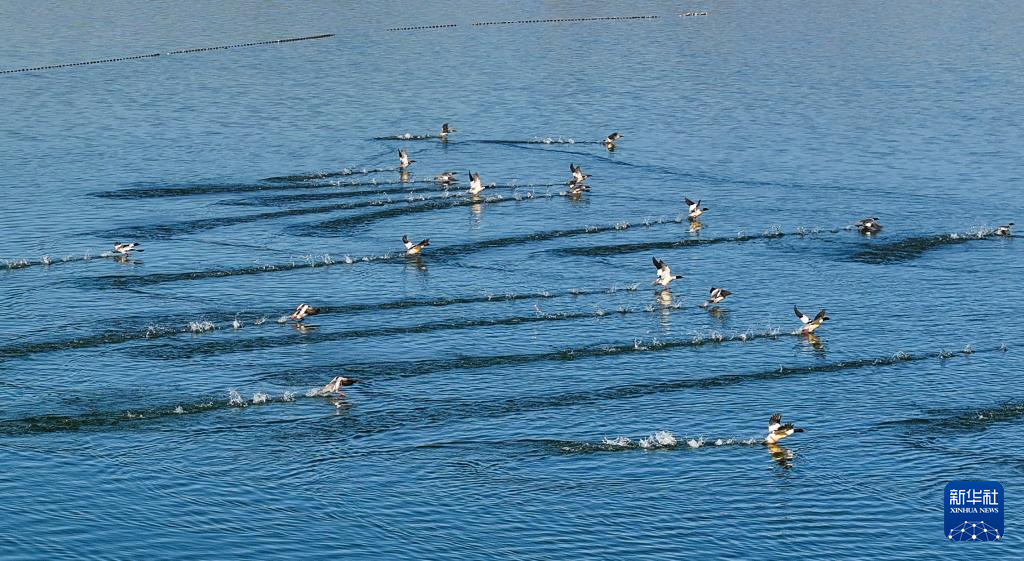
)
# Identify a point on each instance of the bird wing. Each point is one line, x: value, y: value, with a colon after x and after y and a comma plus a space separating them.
x: 723, y: 292
x: 820, y: 315
x: 658, y: 264
x: 689, y: 203
x: 799, y: 314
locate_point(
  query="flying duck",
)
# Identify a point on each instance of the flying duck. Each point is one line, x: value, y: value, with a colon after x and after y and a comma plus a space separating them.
x: 474, y: 184
x: 868, y: 226
x: 609, y: 141
x: 446, y: 177
x: 665, y: 275
x: 445, y: 131
x: 810, y: 324
x: 1003, y: 230
x: 126, y: 248
x: 403, y: 159
x: 303, y: 311
x: 335, y: 385
x: 717, y: 295
x: 695, y: 209
x: 414, y: 249
x: 777, y: 431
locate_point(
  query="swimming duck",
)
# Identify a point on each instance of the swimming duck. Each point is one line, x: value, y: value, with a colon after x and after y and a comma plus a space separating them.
x: 126, y: 248
x: 403, y: 159
x: 717, y: 295
x: 868, y: 226
x: 302, y: 311
x: 1003, y: 230
x: 695, y: 209
x: 609, y: 141
x: 665, y: 275
x: 810, y: 324
x: 445, y: 131
x: 475, y: 187
x: 414, y: 249
x: 777, y: 431
x: 446, y: 177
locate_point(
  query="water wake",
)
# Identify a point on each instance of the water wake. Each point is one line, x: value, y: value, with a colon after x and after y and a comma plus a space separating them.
x: 913, y: 248
x: 331, y: 228
x: 239, y: 188
x: 158, y: 328
x: 447, y: 410
x: 316, y: 261
x: 621, y: 249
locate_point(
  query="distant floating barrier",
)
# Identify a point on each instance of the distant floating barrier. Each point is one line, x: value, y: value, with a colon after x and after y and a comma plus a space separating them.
x: 177, y: 52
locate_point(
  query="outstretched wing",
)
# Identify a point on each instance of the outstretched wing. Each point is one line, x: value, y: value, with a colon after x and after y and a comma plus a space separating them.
x: 820, y: 316
x: 658, y: 264
x: 723, y: 292
x: 408, y: 244
x: 689, y: 202
x: 799, y: 314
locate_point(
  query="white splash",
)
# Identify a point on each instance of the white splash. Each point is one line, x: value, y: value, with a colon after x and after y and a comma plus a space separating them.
x: 235, y: 399
x: 288, y: 396
x: 622, y: 441
x: 201, y: 326
x: 179, y: 410
x: 260, y: 398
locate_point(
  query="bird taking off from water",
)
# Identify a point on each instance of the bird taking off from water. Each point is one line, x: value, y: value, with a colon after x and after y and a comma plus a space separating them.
x: 302, y: 311
x: 777, y: 431
x: 868, y: 226
x: 810, y: 324
x: 716, y: 296
x: 665, y: 275
x: 414, y: 249
x: 403, y: 160
x: 127, y: 248
x: 609, y: 141
x: 694, y: 209
x: 475, y: 186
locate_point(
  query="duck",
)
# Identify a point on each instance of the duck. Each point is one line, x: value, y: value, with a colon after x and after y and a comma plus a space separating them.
x: 665, y: 275
x: 609, y: 141
x: 810, y: 324
x: 475, y: 186
x: 403, y: 159
x: 868, y: 226
x: 334, y: 386
x: 446, y: 177
x: 302, y: 311
x: 695, y: 209
x: 445, y: 131
x: 126, y: 248
x: 777, y: 431
x: 716, y: 296
x: 1003, y: 230
x: 577, y: 174
x: 414, y: 249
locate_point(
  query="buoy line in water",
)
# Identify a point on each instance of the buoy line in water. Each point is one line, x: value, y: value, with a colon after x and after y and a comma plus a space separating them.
x: 177, y: 52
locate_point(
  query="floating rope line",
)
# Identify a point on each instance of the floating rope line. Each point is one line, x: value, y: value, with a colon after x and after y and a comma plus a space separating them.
x: 439, y: 26
x: 178, y: 52
x: 561, y: 20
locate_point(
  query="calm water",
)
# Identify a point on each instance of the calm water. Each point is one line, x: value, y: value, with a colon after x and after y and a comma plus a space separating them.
x: 498, y: 371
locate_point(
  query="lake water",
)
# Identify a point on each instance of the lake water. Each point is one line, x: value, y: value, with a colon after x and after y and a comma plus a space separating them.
x: 524, y: 392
